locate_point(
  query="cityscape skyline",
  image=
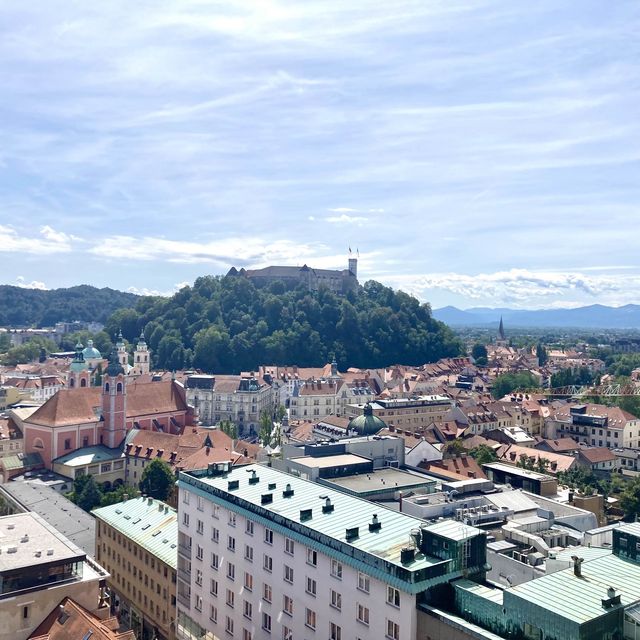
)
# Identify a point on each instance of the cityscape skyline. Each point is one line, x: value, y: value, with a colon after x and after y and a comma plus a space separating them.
x: 477, y: 154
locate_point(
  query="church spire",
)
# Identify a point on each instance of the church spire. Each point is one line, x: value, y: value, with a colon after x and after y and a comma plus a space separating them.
x: 501, y: 330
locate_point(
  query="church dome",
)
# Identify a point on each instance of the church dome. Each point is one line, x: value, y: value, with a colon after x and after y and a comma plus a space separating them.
x: 90, y: 352
x: 367, y: 424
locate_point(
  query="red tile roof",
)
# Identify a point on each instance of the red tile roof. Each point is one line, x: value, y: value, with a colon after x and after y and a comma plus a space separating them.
x: 597, y: 454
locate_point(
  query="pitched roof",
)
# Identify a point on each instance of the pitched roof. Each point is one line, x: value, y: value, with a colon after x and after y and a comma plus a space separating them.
x: 560, y: 445
x: 461, y: 467
x: 82, y: 404
x: 511, y: 454
x: 70, y: 621
x: 597, y: 454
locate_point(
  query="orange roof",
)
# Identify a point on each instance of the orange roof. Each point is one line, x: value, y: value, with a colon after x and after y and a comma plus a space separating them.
x: 70, y: 621
x: 459, y: 468
x: 510, y: 453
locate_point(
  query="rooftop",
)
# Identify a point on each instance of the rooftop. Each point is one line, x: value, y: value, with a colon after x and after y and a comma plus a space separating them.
x: 27, y: 540
x: 380, y: 480
x: 89, y: 455
x: 325, y: 462
x: 149, y: 523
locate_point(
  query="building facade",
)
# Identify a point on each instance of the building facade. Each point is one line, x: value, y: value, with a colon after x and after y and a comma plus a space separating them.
x: 137, y: 541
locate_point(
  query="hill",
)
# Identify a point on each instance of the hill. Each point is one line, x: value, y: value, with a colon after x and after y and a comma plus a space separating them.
x: 594, y: 316
x: 21, y: 307
x: 226, y: 324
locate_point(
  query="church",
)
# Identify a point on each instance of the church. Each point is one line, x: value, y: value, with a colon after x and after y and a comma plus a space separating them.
x: 83, y: 416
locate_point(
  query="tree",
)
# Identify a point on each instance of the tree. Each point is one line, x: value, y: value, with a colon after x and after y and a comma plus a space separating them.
x: 266, y: 428
x: 281, y: 412
x: 508, y: 382
x: 454, y: 448
x: 117, y: 495
x: 630, y: 500
x: 226, y: 426
x: 542, y: 354
x: 483, y: 454
x: 479, y: 354
x: 157, y: 480
x: 90, y: 496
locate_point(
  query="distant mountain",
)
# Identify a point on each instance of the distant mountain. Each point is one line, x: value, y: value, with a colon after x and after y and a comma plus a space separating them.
x: 595, y: 316
x: 20, y: 307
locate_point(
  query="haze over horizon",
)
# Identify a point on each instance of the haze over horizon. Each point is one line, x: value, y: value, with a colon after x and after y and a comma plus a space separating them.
x: 476, y: 153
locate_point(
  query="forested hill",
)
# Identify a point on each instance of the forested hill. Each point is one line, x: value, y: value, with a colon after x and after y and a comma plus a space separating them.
x: 226, y: 324
x: 20, y: 307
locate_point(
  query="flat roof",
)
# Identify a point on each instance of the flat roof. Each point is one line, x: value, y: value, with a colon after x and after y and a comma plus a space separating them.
x: 379, y: 480
x: 149, y: 523
x: 453, y: 529
x: 326, y: 462
x: 518, y: 471
x: 63, y: 515
x: 349, y: 511
x: 35, y: 542
x: 89, y: 455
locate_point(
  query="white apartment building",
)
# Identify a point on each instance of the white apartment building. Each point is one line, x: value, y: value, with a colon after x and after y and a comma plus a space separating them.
x: 263, y: 554
x: 317, y: 399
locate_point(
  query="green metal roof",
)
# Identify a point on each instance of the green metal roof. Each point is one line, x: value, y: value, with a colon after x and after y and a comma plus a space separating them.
x: 348, y: 512
x: 22, y: 461
x: 579, y: 599
x: 495, y: 595
x: 149, y: 523
x: 89, y: 455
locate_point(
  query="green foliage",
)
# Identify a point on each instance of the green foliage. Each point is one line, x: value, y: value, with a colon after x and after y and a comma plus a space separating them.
x: 117, y: 495
x: 32, y: 307
x: 630, y: 500
x: 541, y: 353
x: 228, y: 325
x: 479, y: 354
x: 28, y: 351
x: 483, y: 454
x: 568, y: 377
x: 266, y: 428
x: 226, y: 426
x: 157, y: 480
x: 624, y: 364
x: 281, y: 412
x: 454, y: 448
x: 90, y: 495
x: 508, y: 382
x: 5, y: 342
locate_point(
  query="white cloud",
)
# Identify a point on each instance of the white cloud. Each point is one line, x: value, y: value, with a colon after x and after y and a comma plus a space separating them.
x: 345, y: 219
x: 50, y: 241
x: 144, y: 291
x: 34, y: 284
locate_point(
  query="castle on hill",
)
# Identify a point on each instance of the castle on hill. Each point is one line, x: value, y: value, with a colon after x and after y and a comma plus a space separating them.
x: 338, y: 281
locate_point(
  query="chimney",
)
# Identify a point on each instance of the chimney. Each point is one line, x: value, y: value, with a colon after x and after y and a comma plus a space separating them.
x: 577, y: 566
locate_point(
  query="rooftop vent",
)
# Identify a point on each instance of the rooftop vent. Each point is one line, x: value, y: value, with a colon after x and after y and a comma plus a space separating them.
x: 272, y: 486
x: 352, y: 533
x: 12, y: 550
x: 25, y: 538
x: 612, y: 599
x: 11, y: 525
x: 327, y: 507
x: 407, y: 555
x: 375, y: 524
x: 288, y: 491
x: 49, y: 552
x: 38, y: 554
x: 266, y: 498
x: 306, y: 514
x: 577, y: 566
x: 233, y: 484
x: 254, y: 479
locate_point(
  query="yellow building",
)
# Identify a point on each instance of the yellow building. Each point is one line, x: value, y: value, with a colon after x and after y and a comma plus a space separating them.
x: 136, y: 540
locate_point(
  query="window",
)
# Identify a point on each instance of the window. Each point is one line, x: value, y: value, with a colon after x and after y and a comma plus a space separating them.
x: 310, y: 618
x: 198, y: 603
x: 393, y: 596
x: 230, y: 598
x: 200, y: 527
x: 185, y: 519
x: 363, y: 614
x: 267, y: 563
x: 248, y: 581
x: 268, y: 536
x: 288, y: 546
x: 213, y: 614
x: 229, y: 626
x: 287, y: 605
x: 336, y: 600
x: 393, y: 630
x: 249, y: 527
x: 247, y: 610
x: 312, y: 557
x: 266, y: 592
x: 200, y: 503
x: 336, y: 569
x: 215, y: 510
x: 198, y: 577
x: 215, y: 561
x: 232, y: 519
x: 335, y: 632
x: 248, y: 553
x: 67, y: 444
x: 231, y: 571
x: 231, y: 543
x: 25, y: 612
x: 266, y: 622
x: 287, y: 634
x: 246, y: 634
x: 288, y: 574
x: 199, y: 552
x: 213, y: 588
x: 311, y: 586
x: 363, y: 582
x: 215, y: 534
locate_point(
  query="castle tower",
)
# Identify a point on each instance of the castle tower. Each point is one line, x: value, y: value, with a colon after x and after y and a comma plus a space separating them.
x: 123, y: 356
x: 114, y: 403
x: 79, y: 375
x: 141, y: 356
x: 353, y: 265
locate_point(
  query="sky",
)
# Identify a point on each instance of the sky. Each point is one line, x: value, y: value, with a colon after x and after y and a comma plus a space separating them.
x: 474, y: 153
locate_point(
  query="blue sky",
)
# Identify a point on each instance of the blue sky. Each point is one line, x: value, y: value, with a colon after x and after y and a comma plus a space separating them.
x: 475, y: 152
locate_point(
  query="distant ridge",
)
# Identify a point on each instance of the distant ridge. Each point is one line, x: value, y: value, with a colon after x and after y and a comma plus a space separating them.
x: 595, y: 316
